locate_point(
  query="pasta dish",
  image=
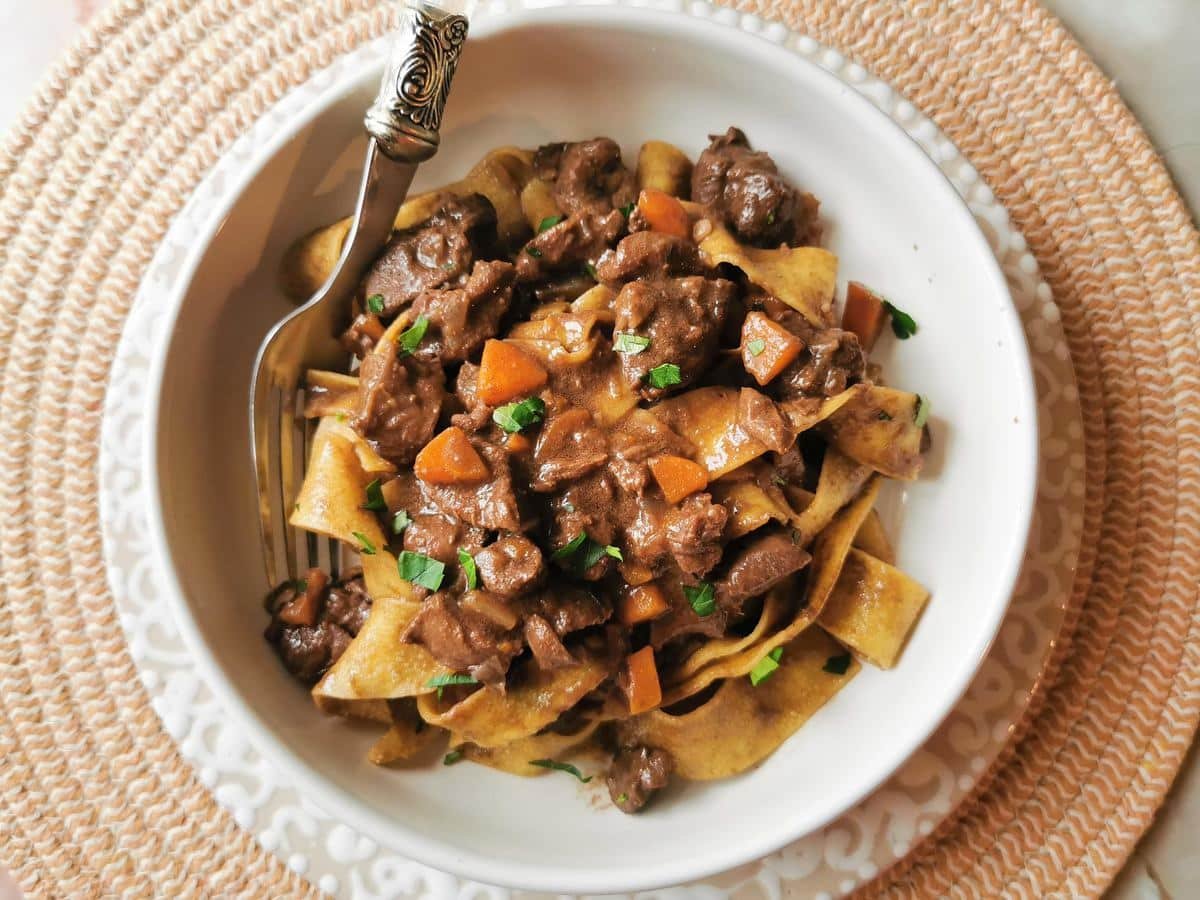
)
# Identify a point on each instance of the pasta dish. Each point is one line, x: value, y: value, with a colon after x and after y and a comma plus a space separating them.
x: 606, y: 456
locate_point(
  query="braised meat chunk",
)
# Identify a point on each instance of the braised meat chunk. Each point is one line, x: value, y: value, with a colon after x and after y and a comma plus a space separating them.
x: 745, y: 191
x: 587, y: 175
x: 437, y: 254
x: 313, y: 621
x: 682, y: 319
x: 636, y: 774
x: 399, y: 401
x: 462, y: 319
x: 462, y: 639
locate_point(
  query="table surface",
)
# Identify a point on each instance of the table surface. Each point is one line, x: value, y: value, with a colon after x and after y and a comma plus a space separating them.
x: 1146, y: 47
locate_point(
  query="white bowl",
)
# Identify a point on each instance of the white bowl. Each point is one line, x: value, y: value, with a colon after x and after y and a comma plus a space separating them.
x: 895, y: 222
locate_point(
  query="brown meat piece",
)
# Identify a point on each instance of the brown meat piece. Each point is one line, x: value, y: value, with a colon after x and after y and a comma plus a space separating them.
x: 759, y: 417
x: 311, y: 628
x: 491, y: 505
x: 635, y: 775
x: 584, y: 507
x: 637, y: 439
x: 398, y: 404
x: 587, y: 175
x: 682, y: 621
x: 475, y: 414
x: 830, y: 362
x: 439, y: 537
x: 744, y: 190
x: 568, y: 609
x: 682, y: 317
x: 547, y: 648
x: 462, y: 319
x: 362, y: 335
x: 463, y: 640
x: 570, y: 446
x: 438, y: 253
x: 693, y: 531
x: 769, y: 558
x: 650, y: 253
x: 511, y: 566
x: 570, y: 246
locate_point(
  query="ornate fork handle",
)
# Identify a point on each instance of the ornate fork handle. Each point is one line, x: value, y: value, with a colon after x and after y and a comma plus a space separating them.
x: 406, y: 116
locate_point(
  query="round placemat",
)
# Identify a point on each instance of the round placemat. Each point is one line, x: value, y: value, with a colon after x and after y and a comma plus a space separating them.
x: 96, y: 798
x: 851, y: 850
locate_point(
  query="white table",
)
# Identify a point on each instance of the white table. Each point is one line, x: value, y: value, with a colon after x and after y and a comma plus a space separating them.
x: 1149, y: 47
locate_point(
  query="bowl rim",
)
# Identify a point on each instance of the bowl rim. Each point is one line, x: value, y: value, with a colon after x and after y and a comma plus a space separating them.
x: 462, y: 861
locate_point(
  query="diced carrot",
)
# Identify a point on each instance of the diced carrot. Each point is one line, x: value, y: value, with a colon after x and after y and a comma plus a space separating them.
x: 642, y: 689
x: 664, y: 213
x: 864, y: 314
x: 635, y: 573
x: 641, y: 604
x: 767, y: 347
x: 507, y: 372
x: 678, y: 476
x: 518, y: 443
x: 450, y: 459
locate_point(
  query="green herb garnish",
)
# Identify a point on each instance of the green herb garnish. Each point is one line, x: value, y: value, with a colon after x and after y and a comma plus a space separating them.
x: 756, y: 347
x: 534, y: 252
x: 921, y: 416
x: 903, y: 325
x: 412, y: 337
x: 591, y: 270
x: 624, y: 342
x: 560, y: 767
x: 765, y: 667
x: 375, y: 303
x: 627, y: 209
x: 837, y: 665
x: 375, y: 501
x: 441, y: 682
x: 771, y: 217
x: 467, y: 562
x: 418, y: 568
x: 581, y: 553
x: 702, y: 597
x: 452, y: 757
x: 549, y: 222
x: 512, y: 417
x: 664, y: 376
x: 341, y: 417
x: 400, y: 521
x: 622, y: 798
x: 366, y: 548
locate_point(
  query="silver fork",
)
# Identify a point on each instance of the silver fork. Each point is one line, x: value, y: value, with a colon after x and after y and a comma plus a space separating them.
x: 403, y: 126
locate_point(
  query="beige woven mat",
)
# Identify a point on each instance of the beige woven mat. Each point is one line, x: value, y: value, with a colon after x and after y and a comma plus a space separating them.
x: 95, y: 798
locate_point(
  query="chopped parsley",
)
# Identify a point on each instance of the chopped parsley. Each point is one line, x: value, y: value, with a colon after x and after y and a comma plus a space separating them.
x: 702, y: 597
x: 622, y: 798
x: 903, y: 325
x: 441, y: 682
x: 418, y: 568
x: 581, y: 553
x: 512, y: 417
x: 375, y: 303
x: 412, y: 337
x: 771, y: 217
x: 765, y: 667
x: 366, y: 548
x: 549, y: 222
x: 400, y: 521
x: 921, y: 416
x: 300, y: 585
x: 591, y: 270
x: 568, y: 506
x: 560, y: 767
x: 534, y: 252
x: 627, y: 209
x: 756, y: 347
x: 664, y: 376
x: 452, y: 757
x: 375, y: 501
x: 341, y: 417
x: 837, y: 665
x: 625, y: 342
x: 467, y: 561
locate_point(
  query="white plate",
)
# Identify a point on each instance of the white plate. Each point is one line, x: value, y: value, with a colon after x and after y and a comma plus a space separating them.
x: 896, y: 224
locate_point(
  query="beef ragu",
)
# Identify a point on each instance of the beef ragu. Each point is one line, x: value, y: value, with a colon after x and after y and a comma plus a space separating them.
x: 608, y: 461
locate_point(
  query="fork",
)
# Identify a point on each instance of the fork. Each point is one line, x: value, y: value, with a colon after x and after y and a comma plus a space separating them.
x: 403, y: 125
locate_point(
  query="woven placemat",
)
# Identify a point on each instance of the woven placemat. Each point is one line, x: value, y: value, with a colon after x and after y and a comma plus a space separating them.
x: 96, y: 799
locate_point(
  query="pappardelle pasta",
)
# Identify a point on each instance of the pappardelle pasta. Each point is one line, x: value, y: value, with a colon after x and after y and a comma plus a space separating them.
x: 609, y: 462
